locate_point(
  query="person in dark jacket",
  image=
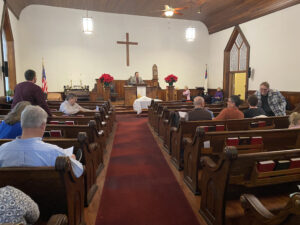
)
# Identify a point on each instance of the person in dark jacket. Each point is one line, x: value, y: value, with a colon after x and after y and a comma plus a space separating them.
x: 29, y: 91
x: 199, y: 112
x: 253, y: 110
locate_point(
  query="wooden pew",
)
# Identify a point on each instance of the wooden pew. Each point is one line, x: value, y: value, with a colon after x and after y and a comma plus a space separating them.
x: 89, y: 160
x: 57, y: 219
x: 258, y: 214
x: 273, y: 140
x: 92, y: 133
x: 54, y: 189
x: 187, y: 129
x: 223, y: 182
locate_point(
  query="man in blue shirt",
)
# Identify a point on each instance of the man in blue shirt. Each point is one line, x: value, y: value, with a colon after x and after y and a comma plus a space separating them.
x: 29, y: 149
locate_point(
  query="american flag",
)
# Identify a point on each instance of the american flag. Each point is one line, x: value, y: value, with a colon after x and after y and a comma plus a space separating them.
x: 44, y: 81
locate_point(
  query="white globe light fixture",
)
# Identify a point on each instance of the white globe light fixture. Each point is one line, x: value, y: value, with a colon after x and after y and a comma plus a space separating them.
x: 190, y: 34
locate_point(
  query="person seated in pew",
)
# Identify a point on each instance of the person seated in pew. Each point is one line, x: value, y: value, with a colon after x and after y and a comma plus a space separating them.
x: 29, y: 149
x: 272, y: 101
x: 199, y: 112
x: 253, y: 110
x: 187, y: 93
x: 10, y: 127
x: 232, y: 111
x: 17, y: 207
x: 218, y: 96
x: 294, y: 119
x: 69, y: 106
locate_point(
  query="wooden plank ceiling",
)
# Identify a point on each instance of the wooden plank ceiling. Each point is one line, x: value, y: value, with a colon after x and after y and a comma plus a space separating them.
x: 215, y: 14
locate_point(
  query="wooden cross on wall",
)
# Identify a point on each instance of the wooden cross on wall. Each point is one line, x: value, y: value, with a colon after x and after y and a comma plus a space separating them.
x: 127, y: 43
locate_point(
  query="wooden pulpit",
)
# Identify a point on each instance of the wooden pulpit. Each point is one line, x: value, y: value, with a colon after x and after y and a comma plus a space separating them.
x: 130, y: 95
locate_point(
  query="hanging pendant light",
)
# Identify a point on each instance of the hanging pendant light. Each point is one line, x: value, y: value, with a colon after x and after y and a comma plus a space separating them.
x: 190, y: 34
x: 88, y: 25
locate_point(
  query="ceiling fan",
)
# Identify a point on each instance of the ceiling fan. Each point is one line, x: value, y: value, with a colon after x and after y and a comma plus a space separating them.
x: 169, y: 11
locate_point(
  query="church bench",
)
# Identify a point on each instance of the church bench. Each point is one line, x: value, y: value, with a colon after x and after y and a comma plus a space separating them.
x: 157, y: 114
x: 101, y: 123
x: 89, y: 159
x: 57, y: 219
x: 224, y: 180
x: 212, y: 143
x: 164, y: 119
x: 67, y: 131
x: 174, y: 136
x: 54, y: 189
x: 258, y: 213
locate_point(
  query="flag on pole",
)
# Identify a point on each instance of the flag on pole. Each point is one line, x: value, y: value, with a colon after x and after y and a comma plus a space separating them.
x: 44, y: 80
x: 206, y: 81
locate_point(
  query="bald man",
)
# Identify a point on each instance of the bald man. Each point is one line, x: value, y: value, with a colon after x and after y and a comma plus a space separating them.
x: 199, y: 112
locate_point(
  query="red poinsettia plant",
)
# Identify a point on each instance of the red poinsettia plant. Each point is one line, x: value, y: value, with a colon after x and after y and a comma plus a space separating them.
x: 170, y: 79
x: 106, y: 79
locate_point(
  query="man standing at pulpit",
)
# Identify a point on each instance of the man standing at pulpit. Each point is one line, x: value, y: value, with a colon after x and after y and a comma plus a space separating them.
x: 136, y: 79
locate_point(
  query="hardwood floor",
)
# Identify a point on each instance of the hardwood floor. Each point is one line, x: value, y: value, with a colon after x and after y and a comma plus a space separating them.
x: 91, y: 212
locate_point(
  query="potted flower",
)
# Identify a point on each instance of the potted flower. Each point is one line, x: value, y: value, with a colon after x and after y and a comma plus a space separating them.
x: 106, y: 79
x: 170, y: 79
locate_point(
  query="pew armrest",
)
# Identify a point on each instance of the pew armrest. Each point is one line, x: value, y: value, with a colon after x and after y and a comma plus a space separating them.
x: 251, y: 203
x: 58, y: 219
x: 208, y: 162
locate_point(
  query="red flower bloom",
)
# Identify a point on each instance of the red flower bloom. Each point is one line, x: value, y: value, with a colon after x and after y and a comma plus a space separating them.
x: 106, y: 78
x: 171, y: 78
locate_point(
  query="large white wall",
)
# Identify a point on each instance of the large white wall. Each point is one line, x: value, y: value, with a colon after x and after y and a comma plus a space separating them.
x: 274, y: 50
x: 55, y: 34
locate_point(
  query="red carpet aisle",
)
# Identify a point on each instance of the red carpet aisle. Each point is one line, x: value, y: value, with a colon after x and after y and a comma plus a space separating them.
x: 140, y: 188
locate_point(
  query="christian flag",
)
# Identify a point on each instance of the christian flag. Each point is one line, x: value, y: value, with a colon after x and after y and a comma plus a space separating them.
x: 206, y: 81
x: 44, y: 81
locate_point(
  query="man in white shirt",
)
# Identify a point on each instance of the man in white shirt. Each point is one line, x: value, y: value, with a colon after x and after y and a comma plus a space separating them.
x: 29, y: 149
x: 69, y: 106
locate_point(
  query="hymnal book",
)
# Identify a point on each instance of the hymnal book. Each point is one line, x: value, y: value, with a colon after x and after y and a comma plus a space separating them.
x: 205, y: 128
x: 244, y: 141
x: 256, y: 140
x: 232, y: 141
x: 70, y: 122
x: 295, y: 163
x: 80, y: 115
x: 262, y: 123
x: 220, y: 128
x: 53, y: 110
x: 282, y: 165
x: 211, y: 128
x: 55, y: 133
x: 253, y: 124
x: 47, y: 134
x: 53, y: 122
x: 266, y: 166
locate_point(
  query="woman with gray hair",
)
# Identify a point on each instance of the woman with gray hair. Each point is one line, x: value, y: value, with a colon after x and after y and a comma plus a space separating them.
x: 69, y: 106
x: 10, y: 127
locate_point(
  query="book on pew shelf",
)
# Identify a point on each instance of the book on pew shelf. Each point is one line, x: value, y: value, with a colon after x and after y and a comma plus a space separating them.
x: 256, y: 140
x: 53, y: 122
x: 70, y: 122
x: 266, y: 166
x: 232, y: 141
x: 205, y: 128
x: 244, y: 141
x: 47, y: 134
x: 282, y: 165
x: 53, y: 110
x: 220, y: 128
x: 295, y: 163
x: 80, y: 115
x: 262, y: 123
x: 61, y: 122
x: 55, y: 133
x: 253, y: 124
x: 211, y: 128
